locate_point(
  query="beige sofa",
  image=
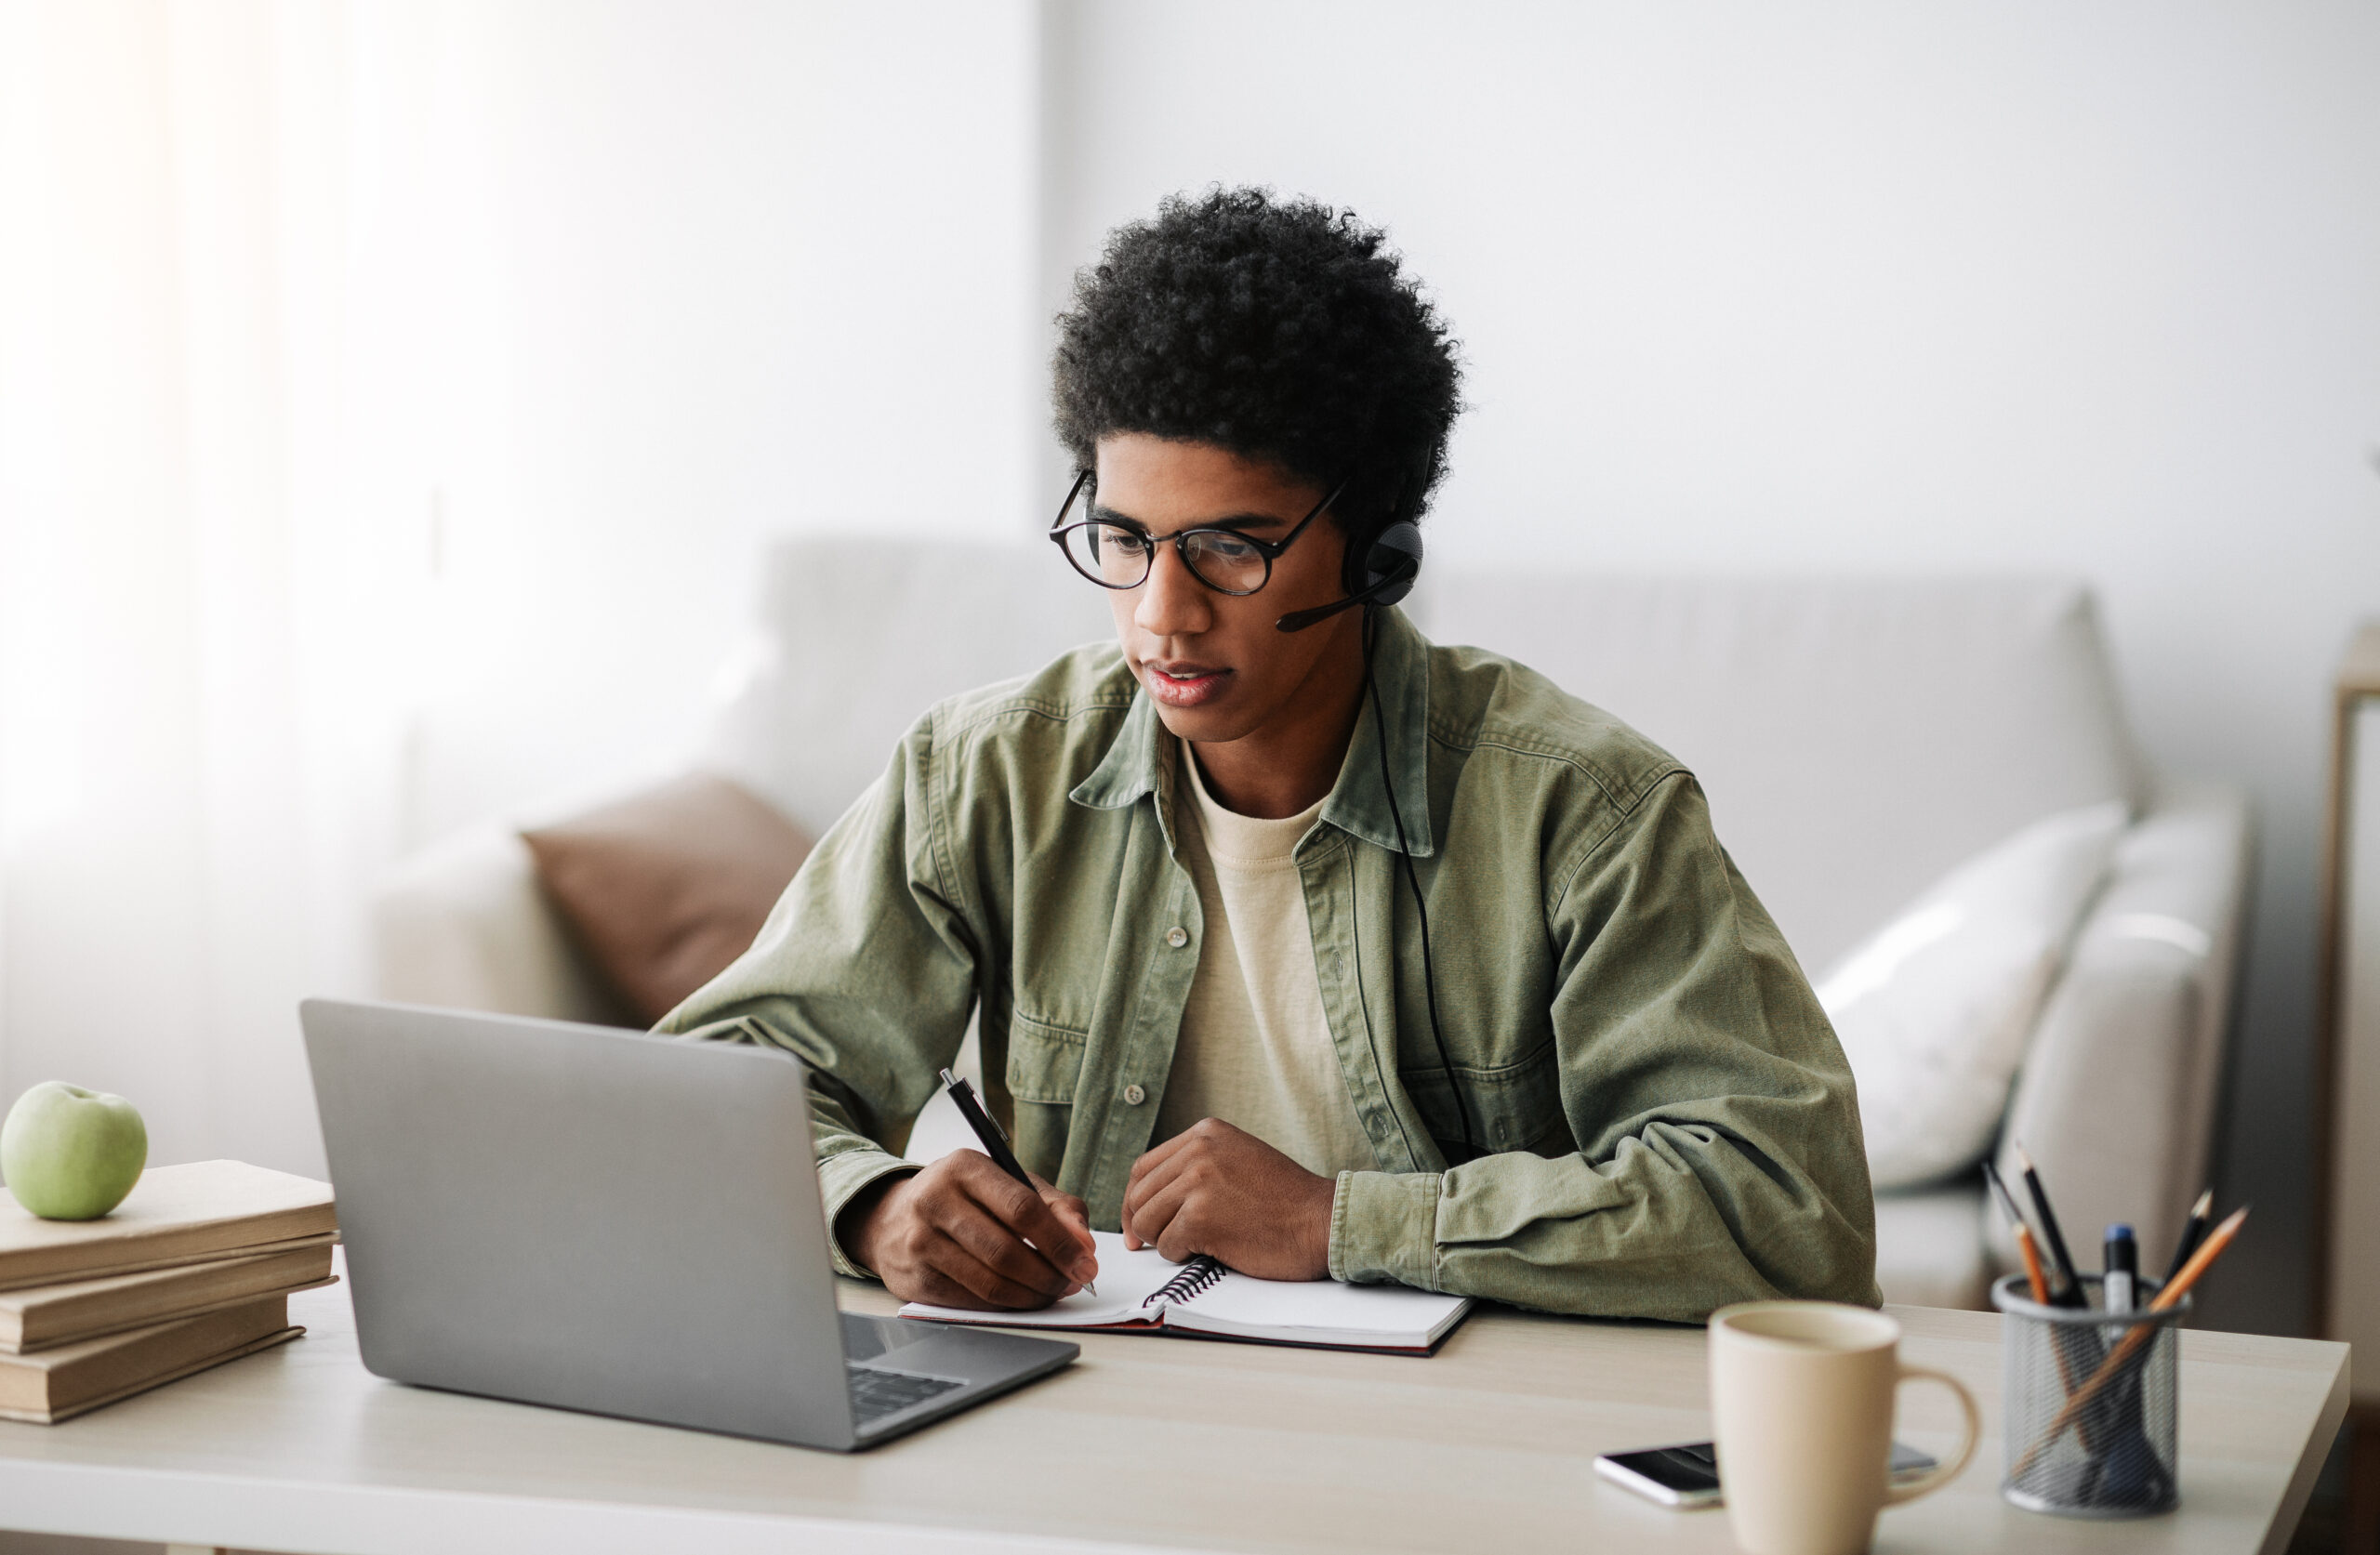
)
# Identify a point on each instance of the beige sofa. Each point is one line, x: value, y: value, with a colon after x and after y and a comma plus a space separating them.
x: 1857, y: 738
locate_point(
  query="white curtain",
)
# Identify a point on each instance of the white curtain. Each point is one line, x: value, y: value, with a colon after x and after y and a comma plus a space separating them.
x: 394, y: 395
x: 212, y: 558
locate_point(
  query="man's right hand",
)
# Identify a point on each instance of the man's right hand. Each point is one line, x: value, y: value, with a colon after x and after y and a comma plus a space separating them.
x: 964, y: 1234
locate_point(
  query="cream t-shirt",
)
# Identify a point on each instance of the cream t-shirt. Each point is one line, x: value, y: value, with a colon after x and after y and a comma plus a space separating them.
x: 1255, y: 1045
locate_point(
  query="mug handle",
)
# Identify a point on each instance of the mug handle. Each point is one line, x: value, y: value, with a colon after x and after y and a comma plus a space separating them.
x: 1936, y: 1479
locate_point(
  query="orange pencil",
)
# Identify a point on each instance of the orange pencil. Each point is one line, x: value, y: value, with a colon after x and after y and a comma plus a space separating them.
x: 2033, y: 1257
x: 2132, y: 1343
x: 2026, y: 1246
x: 2208, y: 1251
x: 2035, y: 1277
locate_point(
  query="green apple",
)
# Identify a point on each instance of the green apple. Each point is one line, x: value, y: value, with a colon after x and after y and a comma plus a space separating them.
x: 70, y: 1153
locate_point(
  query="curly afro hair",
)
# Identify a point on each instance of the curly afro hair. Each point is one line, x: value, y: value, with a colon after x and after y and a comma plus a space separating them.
x: 1282, y: 330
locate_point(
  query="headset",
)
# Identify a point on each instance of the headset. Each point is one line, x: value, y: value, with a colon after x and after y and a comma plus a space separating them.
x: 1381, y: 570
x: 1378, y: 574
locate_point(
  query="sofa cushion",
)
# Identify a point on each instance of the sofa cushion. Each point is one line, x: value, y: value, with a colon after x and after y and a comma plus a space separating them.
x: 464, y: 924
x: 1857, y: 737
x: 666, y: 887
x: 1934, y: 1010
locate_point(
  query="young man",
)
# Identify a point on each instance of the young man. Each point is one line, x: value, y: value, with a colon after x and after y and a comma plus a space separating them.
x: 1298, y: 941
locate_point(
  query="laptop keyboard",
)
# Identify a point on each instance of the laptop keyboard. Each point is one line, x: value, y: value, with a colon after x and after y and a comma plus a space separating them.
x: 877, y: 1392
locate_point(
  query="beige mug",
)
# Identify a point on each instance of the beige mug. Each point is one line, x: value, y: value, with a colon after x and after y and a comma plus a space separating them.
x: 1801, y: 1411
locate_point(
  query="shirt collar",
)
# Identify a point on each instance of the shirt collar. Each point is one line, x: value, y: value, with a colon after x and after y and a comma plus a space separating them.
x: 1136, y: 762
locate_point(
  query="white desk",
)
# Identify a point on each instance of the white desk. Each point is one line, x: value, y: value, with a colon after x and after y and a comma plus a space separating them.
x: 1144, y: 1443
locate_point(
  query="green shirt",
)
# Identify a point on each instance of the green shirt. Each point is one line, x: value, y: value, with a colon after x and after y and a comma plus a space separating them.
x: 1665, y: 1120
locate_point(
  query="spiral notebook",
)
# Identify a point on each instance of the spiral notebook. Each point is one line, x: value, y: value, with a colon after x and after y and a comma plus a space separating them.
x: 1146, y: 1293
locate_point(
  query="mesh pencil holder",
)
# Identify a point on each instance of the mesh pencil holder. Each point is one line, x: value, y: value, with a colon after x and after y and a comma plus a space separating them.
x: 2090, y: 1399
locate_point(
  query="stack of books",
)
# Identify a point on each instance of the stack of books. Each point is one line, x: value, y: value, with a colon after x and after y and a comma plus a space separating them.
x: 193, y: 1269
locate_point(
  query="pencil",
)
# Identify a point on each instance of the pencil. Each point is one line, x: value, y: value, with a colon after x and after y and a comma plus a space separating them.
x: 2194, y: 1232
x: 2023, y: 1232
x: 2062, y: 1346
x: 2133, y: 1342
x: 2032, y: 1258
x: 2208, y: 1251
x: 2064, y: 1288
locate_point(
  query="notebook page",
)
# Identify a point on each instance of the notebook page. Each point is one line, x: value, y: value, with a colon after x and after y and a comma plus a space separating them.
x: 1320, y: 1311
x: 1125, y: 1281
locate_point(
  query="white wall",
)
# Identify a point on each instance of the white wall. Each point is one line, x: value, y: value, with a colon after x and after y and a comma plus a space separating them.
x: 1872, y: 286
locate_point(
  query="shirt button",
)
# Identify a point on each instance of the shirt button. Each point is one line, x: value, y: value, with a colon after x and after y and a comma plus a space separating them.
x: 1134, y: 1094
x: 1177, y: 937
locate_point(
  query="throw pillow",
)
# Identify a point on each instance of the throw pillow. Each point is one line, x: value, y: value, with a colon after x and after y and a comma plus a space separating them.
x: 1936, y: 1008
x: 666, y: 887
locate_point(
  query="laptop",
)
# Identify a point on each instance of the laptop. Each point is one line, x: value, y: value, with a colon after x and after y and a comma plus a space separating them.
x: 615, y: 1223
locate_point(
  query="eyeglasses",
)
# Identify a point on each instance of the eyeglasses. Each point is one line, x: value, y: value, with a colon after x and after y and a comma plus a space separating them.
x: 1116, y: 554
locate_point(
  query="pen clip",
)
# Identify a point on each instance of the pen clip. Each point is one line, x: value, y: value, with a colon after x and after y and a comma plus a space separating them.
x: 971, y: 1105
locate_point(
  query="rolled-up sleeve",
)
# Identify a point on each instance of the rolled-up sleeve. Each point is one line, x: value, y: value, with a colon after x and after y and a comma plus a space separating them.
x: 1718, y: 1156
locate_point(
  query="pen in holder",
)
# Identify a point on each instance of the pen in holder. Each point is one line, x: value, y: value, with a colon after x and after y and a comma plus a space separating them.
x: 2090, y: 1398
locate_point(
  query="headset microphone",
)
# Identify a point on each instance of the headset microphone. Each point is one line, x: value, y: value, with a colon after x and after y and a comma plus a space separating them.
x: 1391, y: 563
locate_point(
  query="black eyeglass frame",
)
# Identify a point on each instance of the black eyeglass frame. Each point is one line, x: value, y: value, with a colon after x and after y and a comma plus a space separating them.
x: 1269, y: 549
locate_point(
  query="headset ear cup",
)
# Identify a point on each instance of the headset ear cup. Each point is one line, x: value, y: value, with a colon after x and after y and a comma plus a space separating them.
x: 1392, y: 563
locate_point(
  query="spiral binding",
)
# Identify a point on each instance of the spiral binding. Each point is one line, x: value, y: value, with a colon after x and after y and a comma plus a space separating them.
x: 1196, y: 1276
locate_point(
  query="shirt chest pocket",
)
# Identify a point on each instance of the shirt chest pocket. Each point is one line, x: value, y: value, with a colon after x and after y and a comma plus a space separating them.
x: 1044, y: 1061
x: 1515, y: 1107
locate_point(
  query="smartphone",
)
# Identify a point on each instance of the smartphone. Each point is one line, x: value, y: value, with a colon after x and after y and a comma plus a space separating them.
x: 1688, y: 1475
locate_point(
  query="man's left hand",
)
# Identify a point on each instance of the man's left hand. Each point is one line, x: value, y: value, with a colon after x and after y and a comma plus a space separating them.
x: 1218, y: 1190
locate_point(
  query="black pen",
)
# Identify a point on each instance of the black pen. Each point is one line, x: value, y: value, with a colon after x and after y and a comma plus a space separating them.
x: 2194, y: 1232
x: 995, y: 1143
x: 2065, y: 1290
